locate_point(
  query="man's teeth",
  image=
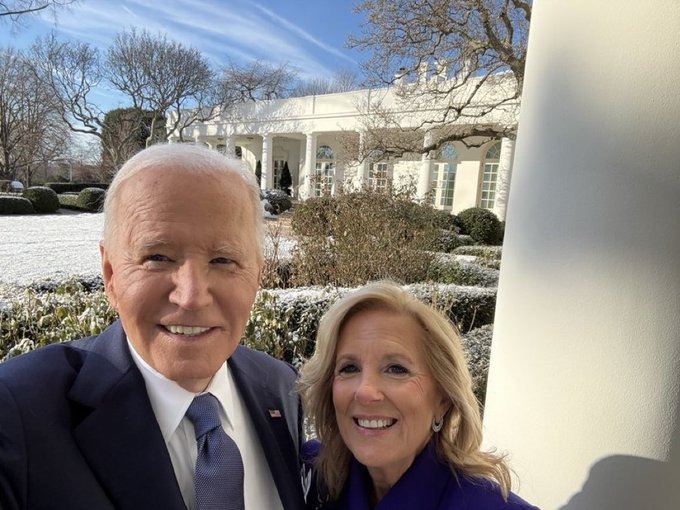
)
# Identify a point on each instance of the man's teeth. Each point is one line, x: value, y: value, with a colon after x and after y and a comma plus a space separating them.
x: 187, y: 330
x: 376, y: 424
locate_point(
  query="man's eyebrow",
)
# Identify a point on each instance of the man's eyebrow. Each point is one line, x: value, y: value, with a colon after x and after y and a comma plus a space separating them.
x: 152, y: 243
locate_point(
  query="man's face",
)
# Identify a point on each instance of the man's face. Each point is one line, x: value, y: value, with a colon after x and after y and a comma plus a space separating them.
x: 182, y: 270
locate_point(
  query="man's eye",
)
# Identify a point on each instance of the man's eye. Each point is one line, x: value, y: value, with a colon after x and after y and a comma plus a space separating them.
x: 222, y: 260
x: 397, y: 369
x: 348, y: 368
x: 156, y: 257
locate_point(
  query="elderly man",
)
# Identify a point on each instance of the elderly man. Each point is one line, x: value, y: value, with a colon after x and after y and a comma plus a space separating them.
x: 164, y: 409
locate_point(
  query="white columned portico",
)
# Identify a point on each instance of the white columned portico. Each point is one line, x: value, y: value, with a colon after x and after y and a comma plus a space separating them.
x: 363, y: 166
x: 266, y: 182
x: 504, y: 176
x: 584, y: 385
x: 230, y: 146
x: 425, y: 175
x: 309, y: 166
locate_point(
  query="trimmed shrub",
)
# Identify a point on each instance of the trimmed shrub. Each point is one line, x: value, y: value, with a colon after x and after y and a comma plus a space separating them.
x: 15, y: 205
x: 44, y: 199
x: 349, y: 239
x: 68, y: 201
x: 485, y: 252
x: 284, y: 322
x: 279, y: 200
x: 74, y: 187
x: 91, y: 199
x: 477, y: 347
x: 447, y: 241
x: 31, y: 318
x: 481, y: 224
x: 461, y: 272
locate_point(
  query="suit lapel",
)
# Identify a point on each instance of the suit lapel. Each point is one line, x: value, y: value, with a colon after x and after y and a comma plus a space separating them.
x: 117, y: 431
x: 271, y: 425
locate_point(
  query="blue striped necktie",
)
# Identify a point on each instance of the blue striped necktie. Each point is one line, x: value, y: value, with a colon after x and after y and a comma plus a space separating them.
x: 219, y: 467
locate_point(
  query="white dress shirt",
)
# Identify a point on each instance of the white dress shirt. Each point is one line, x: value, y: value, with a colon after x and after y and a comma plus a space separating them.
x: 170, y: 403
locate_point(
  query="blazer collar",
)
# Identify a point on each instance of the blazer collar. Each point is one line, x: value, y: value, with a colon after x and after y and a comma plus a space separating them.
x: 116, y: 430
x: 409, y: 492
x: 273, y: 430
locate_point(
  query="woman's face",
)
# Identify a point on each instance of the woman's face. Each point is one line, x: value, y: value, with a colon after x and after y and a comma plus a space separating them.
x: 384, y: 395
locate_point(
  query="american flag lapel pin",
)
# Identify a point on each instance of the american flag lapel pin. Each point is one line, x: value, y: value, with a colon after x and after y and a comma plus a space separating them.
x: 274, y: 413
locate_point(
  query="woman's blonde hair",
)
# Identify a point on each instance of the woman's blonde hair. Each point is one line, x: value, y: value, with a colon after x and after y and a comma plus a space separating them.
x: 459, y: 441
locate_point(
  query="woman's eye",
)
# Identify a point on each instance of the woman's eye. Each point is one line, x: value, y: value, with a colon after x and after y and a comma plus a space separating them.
x: 348, y: 368
x: 397, y: 369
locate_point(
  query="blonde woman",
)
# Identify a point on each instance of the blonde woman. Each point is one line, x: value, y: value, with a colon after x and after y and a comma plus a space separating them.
x: 390, y: 397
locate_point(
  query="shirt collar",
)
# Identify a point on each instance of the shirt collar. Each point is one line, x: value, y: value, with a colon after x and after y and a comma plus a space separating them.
x: 170, y: 401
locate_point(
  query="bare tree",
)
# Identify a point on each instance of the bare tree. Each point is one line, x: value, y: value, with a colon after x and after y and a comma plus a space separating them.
x: 256, y: 81
x: 341, y: 81
x: 462, y: 60
x: 16, y: 10
x: 31, y: 130
x: 164, y: 76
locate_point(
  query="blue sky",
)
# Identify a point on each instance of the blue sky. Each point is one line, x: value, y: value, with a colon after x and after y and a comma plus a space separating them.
x: 307, y: 34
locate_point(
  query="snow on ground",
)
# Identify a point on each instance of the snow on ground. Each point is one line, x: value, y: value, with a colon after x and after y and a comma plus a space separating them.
x: 42, y: 247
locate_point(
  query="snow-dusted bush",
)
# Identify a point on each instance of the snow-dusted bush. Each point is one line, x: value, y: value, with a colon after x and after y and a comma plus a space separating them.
x: 485, y: 252
x: 279, y: 200
x: 461, y: 271
x: 284, y: 321
x: 44, y: 199
x: 31, y: 318
x: 477, y: 347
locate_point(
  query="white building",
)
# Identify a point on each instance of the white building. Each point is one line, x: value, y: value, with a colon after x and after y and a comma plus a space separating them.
x: 310, y: 134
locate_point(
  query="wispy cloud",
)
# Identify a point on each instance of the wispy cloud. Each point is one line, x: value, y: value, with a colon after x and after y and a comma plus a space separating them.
x: 302, y: 33
x: 238, y: 30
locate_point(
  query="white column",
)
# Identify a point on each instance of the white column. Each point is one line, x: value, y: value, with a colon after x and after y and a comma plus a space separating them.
x: 266, y: 182
x: 503, y: 178
x: 363, y: 167
x: 425, y: 175
x: 584, y: 386
x: 230, y: 146
x: 306, y: 190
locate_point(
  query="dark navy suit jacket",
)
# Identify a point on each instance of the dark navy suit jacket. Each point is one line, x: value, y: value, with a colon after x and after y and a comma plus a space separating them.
x: 428, y: 484
x: 77, y: 430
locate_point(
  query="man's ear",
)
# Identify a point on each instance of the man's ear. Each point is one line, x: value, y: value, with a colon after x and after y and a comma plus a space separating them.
x: 107, y: 275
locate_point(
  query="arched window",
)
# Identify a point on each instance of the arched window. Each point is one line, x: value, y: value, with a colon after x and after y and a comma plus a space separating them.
x: 490, y: 176
x: 325, y: 171
x: 444, y: 176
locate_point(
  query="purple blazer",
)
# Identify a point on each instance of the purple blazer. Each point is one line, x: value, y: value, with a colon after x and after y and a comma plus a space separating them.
x: 428, y: 484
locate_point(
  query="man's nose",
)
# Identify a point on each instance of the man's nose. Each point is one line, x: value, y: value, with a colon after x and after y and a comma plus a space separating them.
x: 192, y: 289
x: 368, y: 389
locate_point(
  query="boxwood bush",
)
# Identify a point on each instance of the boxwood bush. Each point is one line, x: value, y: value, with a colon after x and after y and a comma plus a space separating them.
x: 15, y: 205
x: 91, y: 199
x: 481, y: 224
x: 279, y: 200
x: 44, y: 199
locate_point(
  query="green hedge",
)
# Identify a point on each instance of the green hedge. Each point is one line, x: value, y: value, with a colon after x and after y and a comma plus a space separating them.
x: 15, y: 205
x: 44, y: 199
x: 91, y: 199
x: 63, y: 187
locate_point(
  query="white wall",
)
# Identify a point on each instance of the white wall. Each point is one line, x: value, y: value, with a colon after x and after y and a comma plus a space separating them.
x: 585, y: 366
